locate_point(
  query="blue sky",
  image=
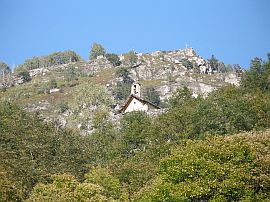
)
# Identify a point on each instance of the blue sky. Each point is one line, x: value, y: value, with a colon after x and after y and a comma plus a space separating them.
x: 235, y: 31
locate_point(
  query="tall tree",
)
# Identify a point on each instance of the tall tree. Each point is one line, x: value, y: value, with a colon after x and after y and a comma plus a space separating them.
x: 152, y: 95
x: 258, y: 76
x: 134, y: 127
x: 180, y: 97
x: 96, y: 50
x: 213, y: 62
x: 4, y: 69
x: 122, y: 90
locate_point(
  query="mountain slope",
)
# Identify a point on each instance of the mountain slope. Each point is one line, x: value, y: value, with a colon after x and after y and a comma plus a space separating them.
x: 52, y: 90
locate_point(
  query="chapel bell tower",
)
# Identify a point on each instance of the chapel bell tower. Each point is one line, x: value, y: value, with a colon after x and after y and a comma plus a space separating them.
x: 136, y: 89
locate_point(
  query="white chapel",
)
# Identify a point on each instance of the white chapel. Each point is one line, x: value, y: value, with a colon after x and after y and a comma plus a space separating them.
x: 135, y: 102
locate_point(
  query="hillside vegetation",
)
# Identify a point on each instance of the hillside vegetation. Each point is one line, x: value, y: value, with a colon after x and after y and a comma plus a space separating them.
x: 202, y: 148
x: 49, y: 84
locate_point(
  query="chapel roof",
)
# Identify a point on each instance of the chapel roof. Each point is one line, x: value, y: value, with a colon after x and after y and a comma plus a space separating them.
x: 124, y: 107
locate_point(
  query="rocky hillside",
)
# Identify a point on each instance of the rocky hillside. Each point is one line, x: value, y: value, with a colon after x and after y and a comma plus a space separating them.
x: 53, y: 91
x: 169, y: 71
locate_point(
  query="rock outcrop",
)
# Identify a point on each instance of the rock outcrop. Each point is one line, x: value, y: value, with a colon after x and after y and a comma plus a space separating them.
x: 165, y: 71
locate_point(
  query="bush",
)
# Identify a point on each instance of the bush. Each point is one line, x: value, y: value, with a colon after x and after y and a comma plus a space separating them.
x: 63, y: 106
x: 25, y: 76
x: 113, y: 59
x: 53, y: 83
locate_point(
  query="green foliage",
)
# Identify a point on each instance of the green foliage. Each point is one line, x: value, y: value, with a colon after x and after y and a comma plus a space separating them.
x: 226, y: 111
x: 67, y: 188
x: 180, y: 96
x: 213, y: 63
x: 124, y: 73
x: 258, y: 76
x: 219, y: 66
x: 71, y: 77
x: 222, y: 67
x: 152, y: 95
x: 103, y: 177
x: 63, y: 106
x: 131, y: 57
x: 4, y: 68
x: 135, y: 171
x: 187, y: 64
x: 122, y: 90
x: 56, y: 58
x: 100, y: 117
x: 53, y: 83
x: 10, y: 190
x: 177, y: 122
x: 96, y: 50
x: 63, y: 57
x: 89, y: 94
x: 31, y: 149
x: 224, y: 115
x: 24, y: 75
x: 133, y: 129
x: 4, y: 71
x: 89, y: 100
x: 113, y: 59
x: 226, y: 68
x: 103, y: 145
x: 174, y: 156
x: 215, y: 169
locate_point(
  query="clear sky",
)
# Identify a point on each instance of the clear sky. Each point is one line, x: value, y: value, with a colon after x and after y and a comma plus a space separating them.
x: 235, y: 31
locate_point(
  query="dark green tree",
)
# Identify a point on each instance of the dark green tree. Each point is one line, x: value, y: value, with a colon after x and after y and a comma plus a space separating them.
x: 124, y: 73
x: 113, y: 59
x: 30, y: 150
x: 180, y: 97
x: 237, y: 68
x: 152, y: 95
x: 224, y: 112
x: 257, y: 77
x: 213, y: 63
x: 122, y: 90
x: 187, y: 64
x: 134, y: 124
x: 25, y: 75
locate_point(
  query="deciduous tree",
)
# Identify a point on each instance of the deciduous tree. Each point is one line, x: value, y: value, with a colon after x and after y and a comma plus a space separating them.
x: 96, y: 50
